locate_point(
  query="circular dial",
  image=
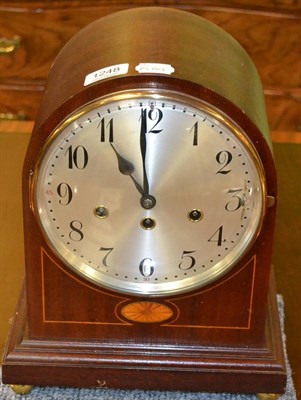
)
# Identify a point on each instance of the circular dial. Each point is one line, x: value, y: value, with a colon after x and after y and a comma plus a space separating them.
x: 149, y: 194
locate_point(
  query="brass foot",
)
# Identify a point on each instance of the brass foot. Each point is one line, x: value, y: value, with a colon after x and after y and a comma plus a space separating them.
x: 21, y: 389
x: 267, y: 396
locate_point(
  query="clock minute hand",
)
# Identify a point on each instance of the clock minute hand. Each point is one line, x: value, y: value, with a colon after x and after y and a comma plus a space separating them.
x: 127, y: 168
x: 147, y: 201
x: 143, y: 151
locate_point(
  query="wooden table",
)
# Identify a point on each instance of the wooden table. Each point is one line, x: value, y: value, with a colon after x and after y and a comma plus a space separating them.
x: 14, y: 137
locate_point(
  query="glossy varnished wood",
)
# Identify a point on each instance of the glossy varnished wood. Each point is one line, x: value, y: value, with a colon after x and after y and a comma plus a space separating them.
x: 126, y: 365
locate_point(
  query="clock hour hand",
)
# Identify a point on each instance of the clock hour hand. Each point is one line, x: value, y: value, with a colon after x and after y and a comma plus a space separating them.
x: 124, y: 166
x: 127, y: 168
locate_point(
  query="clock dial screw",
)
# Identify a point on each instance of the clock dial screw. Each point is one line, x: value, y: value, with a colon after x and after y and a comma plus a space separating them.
x: 148, y: 223
x: 101, y: 212
x: 195, y: 215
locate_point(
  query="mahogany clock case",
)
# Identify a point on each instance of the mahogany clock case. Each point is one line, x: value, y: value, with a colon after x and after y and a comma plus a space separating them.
x: 246, y: 281
x: 224, y: 337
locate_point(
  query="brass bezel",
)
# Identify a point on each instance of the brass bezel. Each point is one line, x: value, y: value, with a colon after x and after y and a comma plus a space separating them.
x: 156, y: 95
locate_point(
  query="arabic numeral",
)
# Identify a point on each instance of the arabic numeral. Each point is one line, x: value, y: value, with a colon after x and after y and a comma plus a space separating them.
x: 187, y: 260
x: 107, y: 250
x: 224, y: 158
x: 154, y: 115
x: 146, y: 267
x: 77, y: 157
x: 65, y: 193
x: 237, y: 201
x: 195, y: 131
x: 106, y: 130
x: 76, y: 233
x: 217, y: 237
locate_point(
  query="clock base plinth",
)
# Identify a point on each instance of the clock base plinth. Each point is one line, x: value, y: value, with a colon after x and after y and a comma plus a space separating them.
x: 132, y: 366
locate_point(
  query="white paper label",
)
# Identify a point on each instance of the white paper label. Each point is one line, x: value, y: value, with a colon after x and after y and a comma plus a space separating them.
x: 105, y: 73
x: 154, y: 68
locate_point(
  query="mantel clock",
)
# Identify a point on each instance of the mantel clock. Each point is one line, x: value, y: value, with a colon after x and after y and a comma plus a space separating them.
x: 149, y: 194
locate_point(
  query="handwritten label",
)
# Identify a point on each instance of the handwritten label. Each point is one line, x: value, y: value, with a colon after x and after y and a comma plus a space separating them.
x: 105, y: 73
x: 154, y: 68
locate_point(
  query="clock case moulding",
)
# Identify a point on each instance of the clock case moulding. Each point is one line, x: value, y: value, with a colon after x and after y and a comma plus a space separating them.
x: 223, y: 337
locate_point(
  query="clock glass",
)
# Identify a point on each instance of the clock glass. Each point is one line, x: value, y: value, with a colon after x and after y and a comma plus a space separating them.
x: 149, y: 193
